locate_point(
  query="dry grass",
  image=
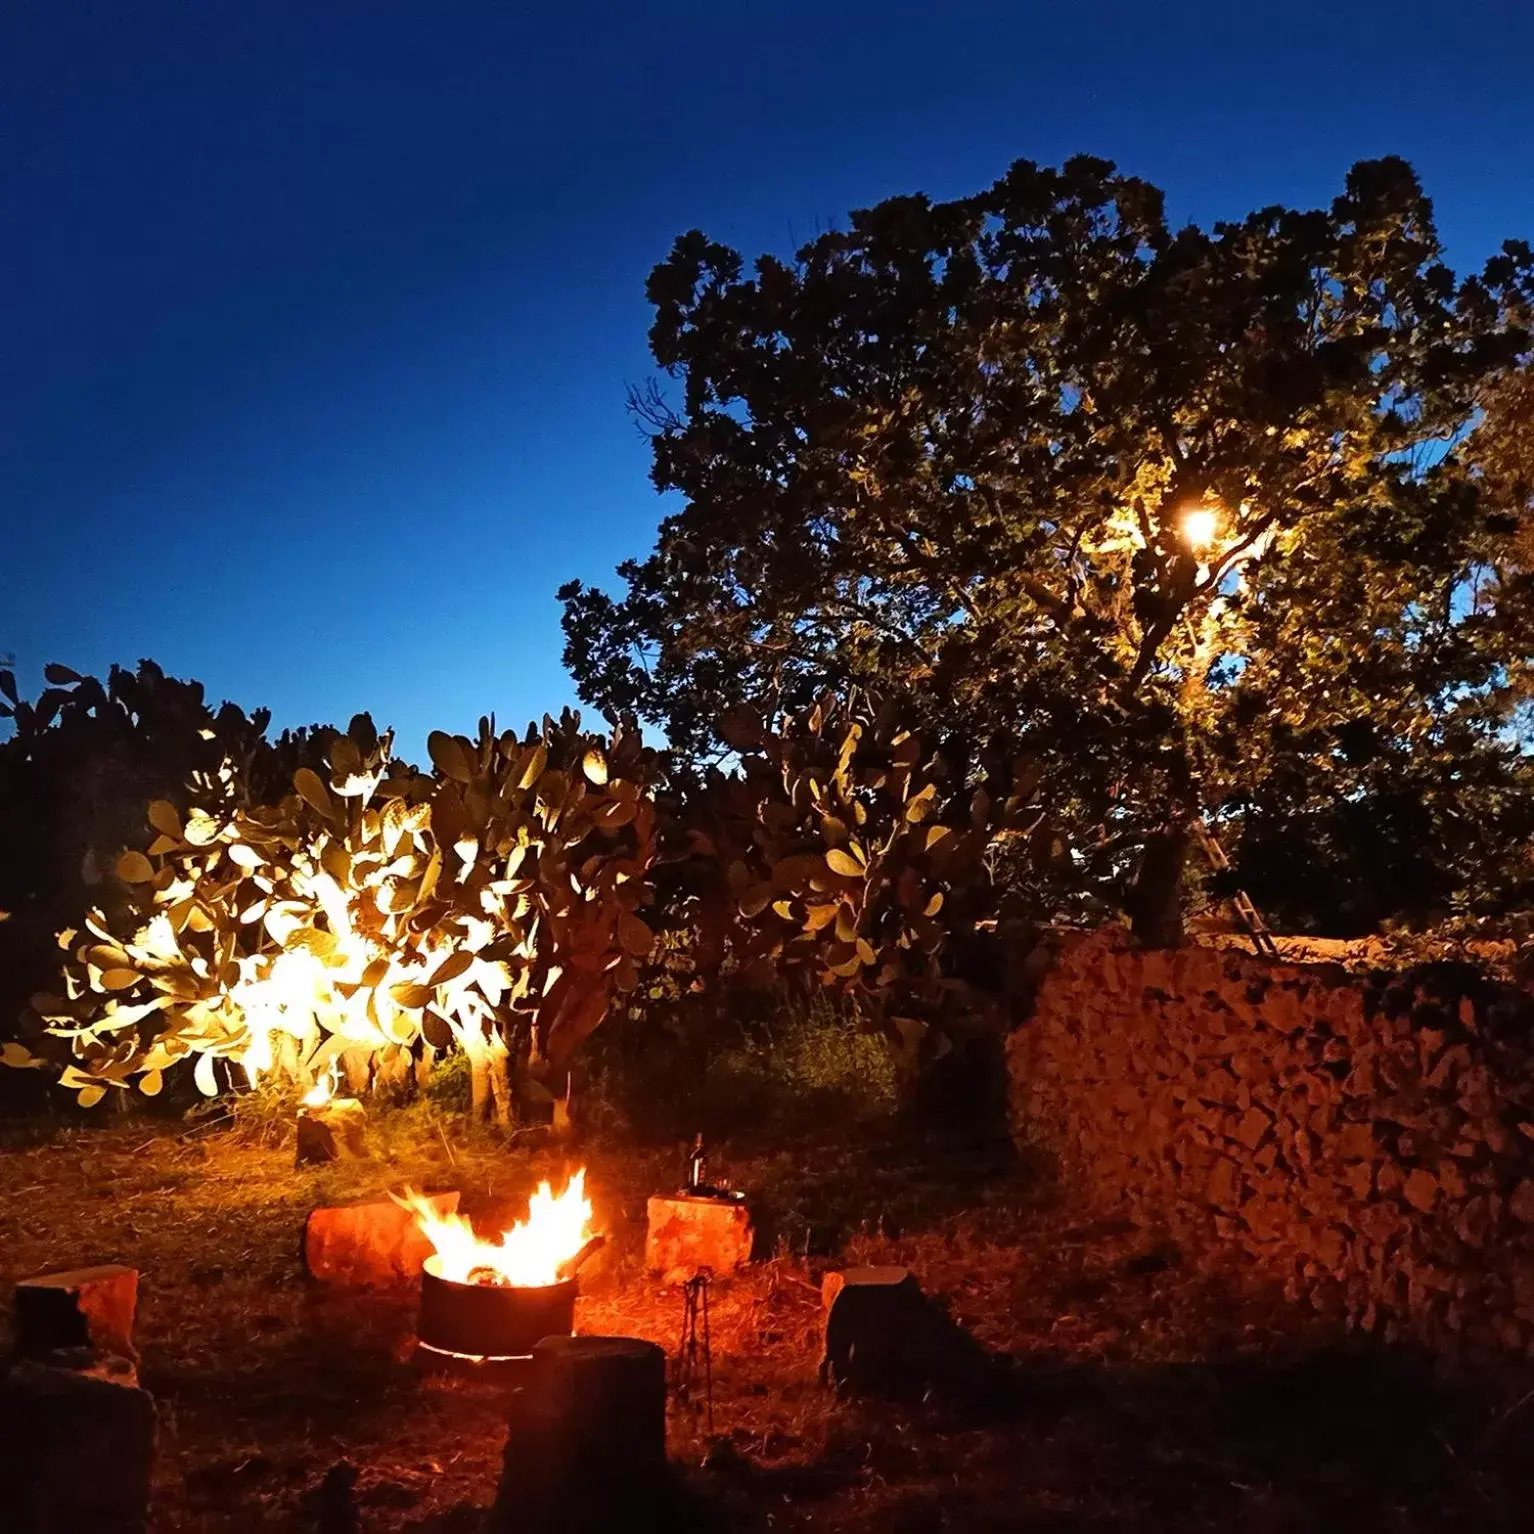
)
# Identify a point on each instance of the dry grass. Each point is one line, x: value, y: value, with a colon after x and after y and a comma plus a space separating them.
x: 1143, y: 1397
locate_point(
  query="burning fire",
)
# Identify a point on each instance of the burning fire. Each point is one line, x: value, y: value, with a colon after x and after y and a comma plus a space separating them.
x: 530, y: 1255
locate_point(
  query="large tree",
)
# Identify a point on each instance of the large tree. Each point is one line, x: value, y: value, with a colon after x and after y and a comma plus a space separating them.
x: 1202, y: 511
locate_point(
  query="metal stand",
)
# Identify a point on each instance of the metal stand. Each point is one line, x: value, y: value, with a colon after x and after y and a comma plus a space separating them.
x: 695, y: 1356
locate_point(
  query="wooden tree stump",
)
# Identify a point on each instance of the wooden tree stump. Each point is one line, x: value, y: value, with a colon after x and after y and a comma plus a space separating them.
x: 335, y: 1131
x: 114, y: 1368
x: 370, y: 1243
x: 687, y: 1233
x: 76, y: 1452
x: 586, y: 1449
x: 86, y: 1308
x: 885, y: 1337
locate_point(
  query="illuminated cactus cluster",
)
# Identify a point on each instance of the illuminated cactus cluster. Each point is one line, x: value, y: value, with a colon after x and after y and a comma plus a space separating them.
x: 371, y: 917
x: 318, y: 910
x: 845, y: 845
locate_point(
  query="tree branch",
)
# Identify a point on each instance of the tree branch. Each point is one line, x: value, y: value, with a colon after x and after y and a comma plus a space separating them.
x: 651, y: 411
x: 891, y: 631
x: 1217, y: 573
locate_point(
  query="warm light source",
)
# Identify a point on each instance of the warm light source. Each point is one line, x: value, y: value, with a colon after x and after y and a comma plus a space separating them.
x: 1199, y: 525
x: 322, y: 1090
x: 529, y: 1255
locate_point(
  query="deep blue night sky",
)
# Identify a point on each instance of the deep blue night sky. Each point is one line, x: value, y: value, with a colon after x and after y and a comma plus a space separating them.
x: 317, y: 318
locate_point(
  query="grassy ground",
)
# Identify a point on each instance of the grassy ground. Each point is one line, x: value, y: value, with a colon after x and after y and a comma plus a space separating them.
x: 1142, y: 1397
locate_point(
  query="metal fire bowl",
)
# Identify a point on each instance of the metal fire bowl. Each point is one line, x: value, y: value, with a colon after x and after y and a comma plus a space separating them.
x: 485, y: 1321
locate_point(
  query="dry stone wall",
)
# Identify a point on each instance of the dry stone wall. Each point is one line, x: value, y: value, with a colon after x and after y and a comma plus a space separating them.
x: 1367, y: 1142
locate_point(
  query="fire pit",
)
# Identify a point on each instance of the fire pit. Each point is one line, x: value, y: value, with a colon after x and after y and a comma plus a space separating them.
x: 492, y: 1301
x: 476, y: 1320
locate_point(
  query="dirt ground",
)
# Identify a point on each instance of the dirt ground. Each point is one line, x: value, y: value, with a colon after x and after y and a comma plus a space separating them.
x: 1134, y: 1396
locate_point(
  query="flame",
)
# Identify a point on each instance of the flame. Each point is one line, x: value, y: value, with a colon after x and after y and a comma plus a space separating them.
x: 528, y: 1256
x: 322, y: 1090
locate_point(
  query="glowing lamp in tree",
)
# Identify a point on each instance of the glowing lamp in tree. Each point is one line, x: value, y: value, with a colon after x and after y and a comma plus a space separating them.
x: 1199, y: 526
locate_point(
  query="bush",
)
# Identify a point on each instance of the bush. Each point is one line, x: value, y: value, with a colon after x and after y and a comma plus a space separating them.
x: 790, y: 1059
x: 812, y: 1062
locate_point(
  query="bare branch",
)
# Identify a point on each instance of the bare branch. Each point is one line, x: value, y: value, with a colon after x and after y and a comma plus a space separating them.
x: 652, y: 412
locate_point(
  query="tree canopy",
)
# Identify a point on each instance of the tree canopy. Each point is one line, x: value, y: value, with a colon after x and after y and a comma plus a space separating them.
x: 1231, y: 522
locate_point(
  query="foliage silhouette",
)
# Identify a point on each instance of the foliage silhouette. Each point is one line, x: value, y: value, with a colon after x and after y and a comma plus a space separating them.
x: 950, y: 454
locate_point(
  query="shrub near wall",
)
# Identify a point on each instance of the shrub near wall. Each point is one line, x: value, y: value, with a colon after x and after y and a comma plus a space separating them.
x: 1367, y: 1142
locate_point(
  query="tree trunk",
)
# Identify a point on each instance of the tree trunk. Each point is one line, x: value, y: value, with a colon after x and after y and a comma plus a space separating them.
x: 560, y: 1123
x: 489, y: 1082
x: 392, y: 1075
x: 357, y: 1068
x: 423, y: 1068
x: 1155, y: 900
x: 287, y: 1061
x: 500, y: 1086
x: 479, y: 1085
